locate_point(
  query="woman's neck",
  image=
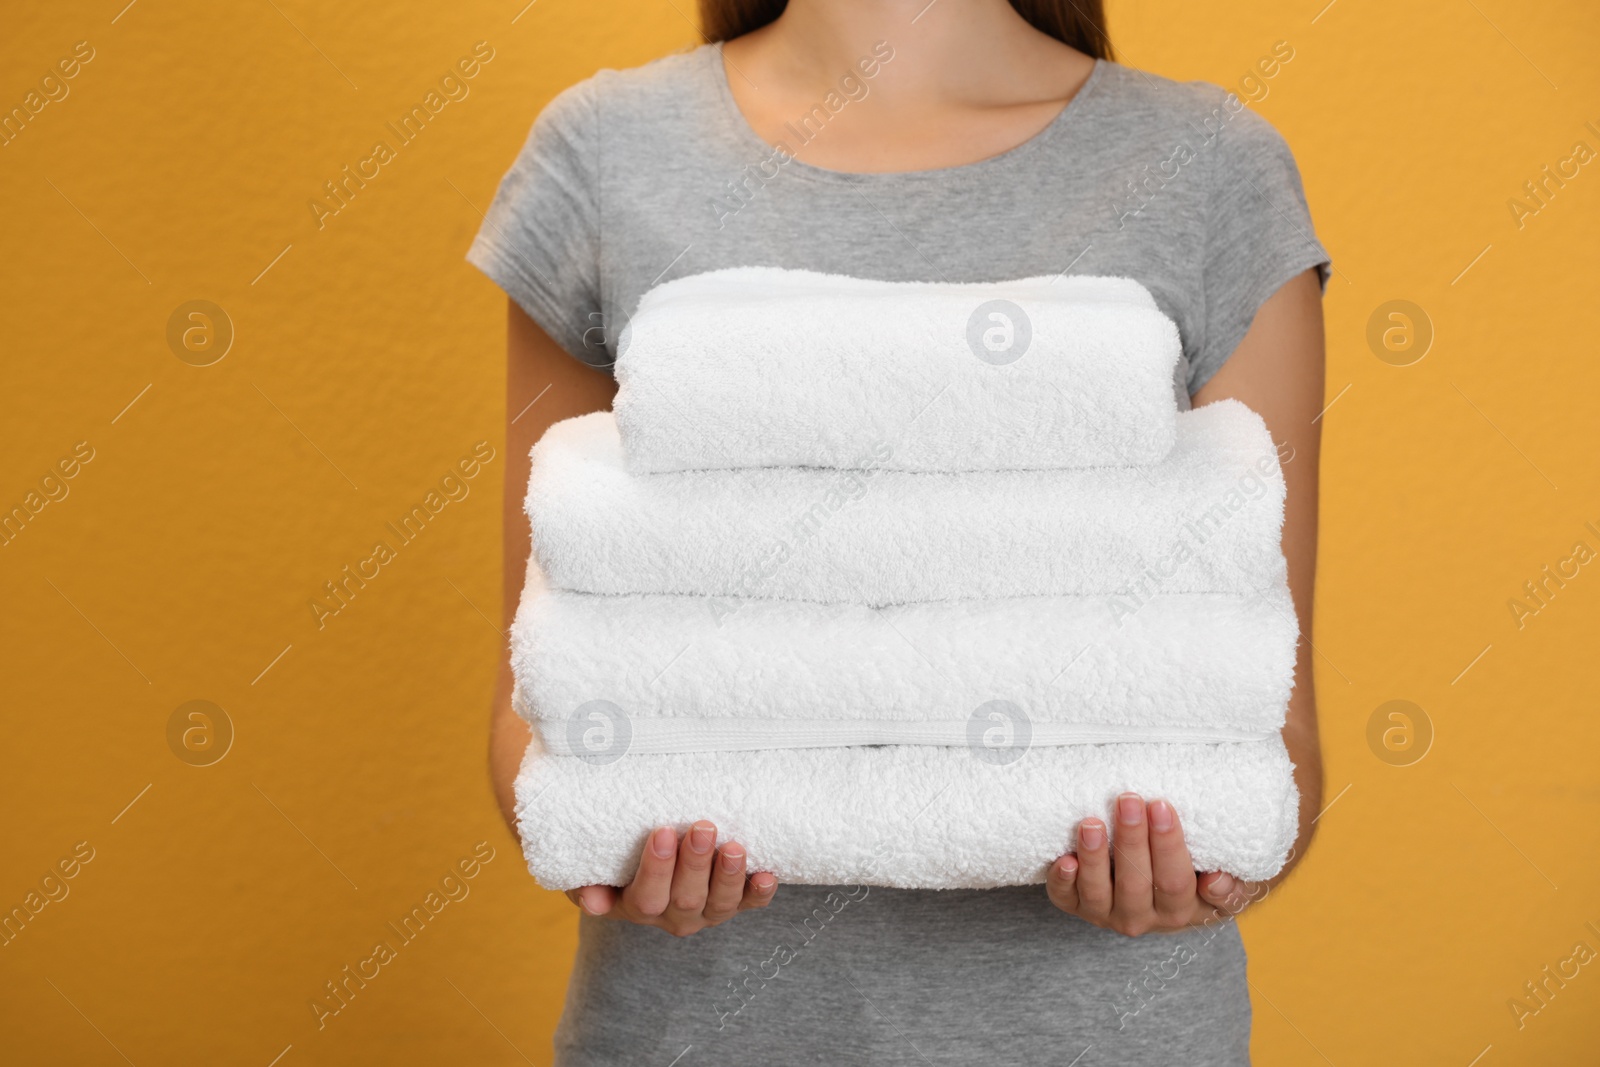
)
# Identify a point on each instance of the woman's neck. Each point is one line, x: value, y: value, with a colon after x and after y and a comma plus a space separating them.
x: 959, y: 52
x: 965, y: 80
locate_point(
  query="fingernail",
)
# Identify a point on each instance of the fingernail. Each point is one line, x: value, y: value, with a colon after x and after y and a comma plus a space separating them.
x: 1223, y: 885
x: 1130, y: 809
x: 702, y: 835
x: 664, y: 842
x: 1091, y: 834
x: 1068, y: 867
x: 764, y: 883
x: 1160, y: 815
x: 732, y: 857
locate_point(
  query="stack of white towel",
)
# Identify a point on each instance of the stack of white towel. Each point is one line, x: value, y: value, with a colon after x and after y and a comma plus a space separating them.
x: 898, y: 582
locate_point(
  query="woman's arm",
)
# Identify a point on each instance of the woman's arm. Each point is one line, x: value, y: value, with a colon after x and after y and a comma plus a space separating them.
x: 685, y: 882
x: 1277, y: 370
x: 543, y: 385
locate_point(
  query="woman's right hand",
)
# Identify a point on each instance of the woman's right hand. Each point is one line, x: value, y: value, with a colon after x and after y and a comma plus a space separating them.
x: 682, y: 887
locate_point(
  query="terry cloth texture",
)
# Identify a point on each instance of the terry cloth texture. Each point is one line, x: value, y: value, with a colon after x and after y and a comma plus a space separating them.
x: 1207, y: 660
x: 658, y: 691
x: 906, y: 816
x: 1203, y: 520
x: 761, y: 367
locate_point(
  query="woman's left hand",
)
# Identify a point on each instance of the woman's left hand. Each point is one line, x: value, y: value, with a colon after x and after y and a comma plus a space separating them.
x: 1152, y: 884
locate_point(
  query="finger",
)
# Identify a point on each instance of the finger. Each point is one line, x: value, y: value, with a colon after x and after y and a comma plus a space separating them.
x: 1224, y: 892
x: 758, y: 891
x: 593, y: 899
x: 727, y: 883
x: 646, y: 896
x: 1171, y: 868
x: 1061, y: 883
x: 691, y: 879
x: 1094, y: 872
x: 1132, y: 907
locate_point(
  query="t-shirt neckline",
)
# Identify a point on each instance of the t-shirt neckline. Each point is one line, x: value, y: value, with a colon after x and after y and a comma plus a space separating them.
x: 749, y: 139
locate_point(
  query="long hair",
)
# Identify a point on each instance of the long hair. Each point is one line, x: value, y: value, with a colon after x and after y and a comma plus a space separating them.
x: 1079, y: 23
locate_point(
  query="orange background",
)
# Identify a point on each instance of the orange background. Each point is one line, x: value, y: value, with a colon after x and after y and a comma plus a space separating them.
x: 367, y: 359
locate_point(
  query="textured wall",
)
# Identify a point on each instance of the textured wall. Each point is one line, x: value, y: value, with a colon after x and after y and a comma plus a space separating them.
x: 211, y: 899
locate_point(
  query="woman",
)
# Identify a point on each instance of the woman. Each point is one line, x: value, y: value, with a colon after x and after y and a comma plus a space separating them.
x: 960, y: 140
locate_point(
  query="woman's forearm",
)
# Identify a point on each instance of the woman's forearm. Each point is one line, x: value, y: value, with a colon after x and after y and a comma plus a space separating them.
x: 1305, y: 750
x: 508, y: 742
x: 543, y: 385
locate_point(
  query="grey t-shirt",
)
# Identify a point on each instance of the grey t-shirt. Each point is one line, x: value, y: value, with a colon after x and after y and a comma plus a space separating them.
x: 634, y: 177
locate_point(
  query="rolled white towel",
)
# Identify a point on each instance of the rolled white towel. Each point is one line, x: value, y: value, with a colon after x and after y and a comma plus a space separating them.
x: 767, y: 367
x: 1205, y: 519
x: 905, y: 816
x: 693, y: 671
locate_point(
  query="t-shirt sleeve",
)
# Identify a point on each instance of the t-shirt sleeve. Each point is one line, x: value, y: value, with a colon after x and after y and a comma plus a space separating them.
x: 1258, y: 236
x: 540, y: 237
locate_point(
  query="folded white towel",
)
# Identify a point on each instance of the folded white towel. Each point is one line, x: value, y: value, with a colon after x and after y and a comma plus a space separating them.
x: 1204, y: 519
x: 1218, y: 661
x: 766, y: 367
x: 601, y: 732
x: 906, y: 816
